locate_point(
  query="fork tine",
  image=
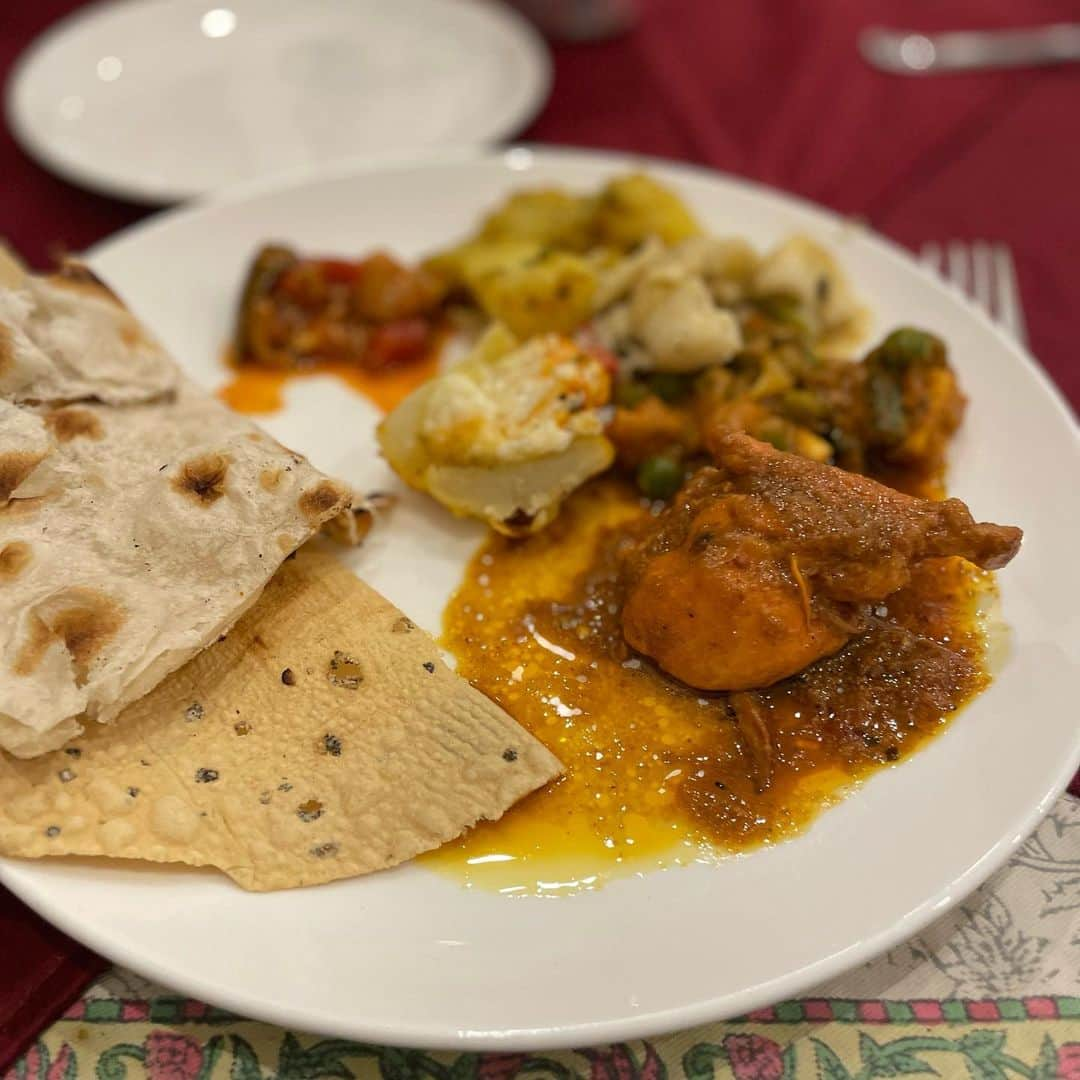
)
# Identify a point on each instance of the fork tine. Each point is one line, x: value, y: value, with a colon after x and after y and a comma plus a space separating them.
x: 1010, y: 311
x: 982, y: 275
x: 957, y: 266
x: 985, y: 272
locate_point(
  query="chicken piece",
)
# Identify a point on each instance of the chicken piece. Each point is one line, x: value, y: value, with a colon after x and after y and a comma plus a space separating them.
x: 769, y: 562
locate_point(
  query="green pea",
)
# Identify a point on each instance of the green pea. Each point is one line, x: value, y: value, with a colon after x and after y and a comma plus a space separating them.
x: 669, y: 386
x: 908, y: 346
x: 659, y: 476
x: 783, y: 309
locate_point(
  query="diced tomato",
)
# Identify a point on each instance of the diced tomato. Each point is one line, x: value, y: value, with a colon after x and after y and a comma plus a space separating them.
x: 396, y: 343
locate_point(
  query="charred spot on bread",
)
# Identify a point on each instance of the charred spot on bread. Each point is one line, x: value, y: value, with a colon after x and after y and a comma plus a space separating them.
x: 77, y: 276
x: 7, y: 347
x: 321, y: 500
x: 203, y: 478
x: 71, y: 422
x: 83, y: 620
x: 14, y: 557
x: 269, y: 479
x: 15, y: 467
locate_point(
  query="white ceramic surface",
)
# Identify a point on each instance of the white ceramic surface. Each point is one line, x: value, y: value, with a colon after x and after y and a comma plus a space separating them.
x: 161, y: 100
x: 410, y: 957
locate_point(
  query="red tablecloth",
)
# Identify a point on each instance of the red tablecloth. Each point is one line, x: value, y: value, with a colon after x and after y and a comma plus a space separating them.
x: 773, y: 91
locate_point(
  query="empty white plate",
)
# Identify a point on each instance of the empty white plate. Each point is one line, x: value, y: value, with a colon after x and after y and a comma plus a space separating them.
x: 162, y: 100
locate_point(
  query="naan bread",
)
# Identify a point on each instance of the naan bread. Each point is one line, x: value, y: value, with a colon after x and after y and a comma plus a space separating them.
x: 323, y: 738
x: 139, y: 517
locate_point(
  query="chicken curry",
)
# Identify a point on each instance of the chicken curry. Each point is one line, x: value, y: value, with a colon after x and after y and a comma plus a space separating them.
x: 599, y: 633
x: 723, y: 581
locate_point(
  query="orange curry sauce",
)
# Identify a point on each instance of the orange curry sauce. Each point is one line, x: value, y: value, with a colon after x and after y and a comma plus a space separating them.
x: 259, y: 390
x: 655, y: 774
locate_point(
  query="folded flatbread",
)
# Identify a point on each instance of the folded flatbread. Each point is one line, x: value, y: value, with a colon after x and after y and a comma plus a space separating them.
x: 323, y: 738
x: 139, y: 517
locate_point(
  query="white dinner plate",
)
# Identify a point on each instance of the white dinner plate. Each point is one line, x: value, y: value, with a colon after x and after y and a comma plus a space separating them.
x: 410, y: 957
x: 161, y: 100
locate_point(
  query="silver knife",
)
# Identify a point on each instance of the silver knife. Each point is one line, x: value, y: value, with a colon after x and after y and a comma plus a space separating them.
x: 904, y: 52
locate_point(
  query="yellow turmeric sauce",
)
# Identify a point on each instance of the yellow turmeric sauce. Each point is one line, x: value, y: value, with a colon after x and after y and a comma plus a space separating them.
x: 655, y: 771
x: 260, y: 390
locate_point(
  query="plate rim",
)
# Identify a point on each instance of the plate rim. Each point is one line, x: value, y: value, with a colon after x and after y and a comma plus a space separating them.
x: 656, y: 1022
x: 44, y: 153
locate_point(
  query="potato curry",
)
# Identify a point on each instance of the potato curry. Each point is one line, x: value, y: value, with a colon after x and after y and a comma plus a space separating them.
x: 722, y: 582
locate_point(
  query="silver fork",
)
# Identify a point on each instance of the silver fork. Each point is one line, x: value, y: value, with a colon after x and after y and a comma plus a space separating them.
x: 987, y: 273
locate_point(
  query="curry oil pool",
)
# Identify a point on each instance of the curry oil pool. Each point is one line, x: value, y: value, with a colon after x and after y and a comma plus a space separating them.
x: 256, y: 390
x: 659, y: 774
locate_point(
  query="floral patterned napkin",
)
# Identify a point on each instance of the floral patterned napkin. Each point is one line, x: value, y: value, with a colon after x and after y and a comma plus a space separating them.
x: 989, y: 991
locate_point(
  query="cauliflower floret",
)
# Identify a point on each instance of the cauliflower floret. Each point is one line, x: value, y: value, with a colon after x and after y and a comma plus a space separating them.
x: 674, y: 317
x: 803, y: 269
x: 725, y: 263
x: 617, y: 281
x: 457, y: 416
x: 508, y: 433
x: 533, y: 401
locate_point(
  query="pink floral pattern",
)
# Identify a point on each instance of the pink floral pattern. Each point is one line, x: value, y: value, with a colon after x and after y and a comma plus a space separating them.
x: 171, y: 1057
x: 500, y: 1066
x: 38, y: 1066
x: 984, y: 1049
x: 753, y: 1057
x: 617, y: 1062
x: 1068, y: 1061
